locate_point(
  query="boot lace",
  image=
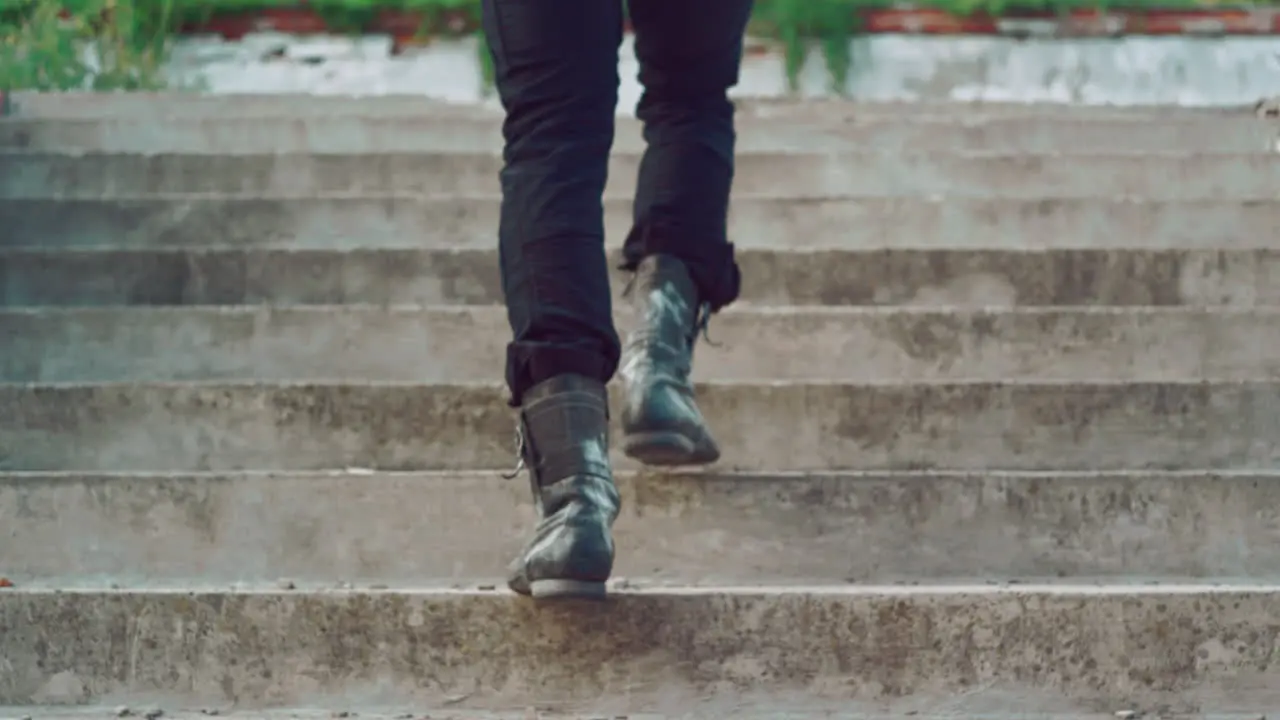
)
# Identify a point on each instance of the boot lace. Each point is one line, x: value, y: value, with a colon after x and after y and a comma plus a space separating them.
x: 702, y: 325
x: 521, y: 454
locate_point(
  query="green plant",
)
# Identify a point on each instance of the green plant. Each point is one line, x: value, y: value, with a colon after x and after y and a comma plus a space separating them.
x: 94, y: 44
x: 798, y: 23
x: 831, y: 24
x: 45, y: 44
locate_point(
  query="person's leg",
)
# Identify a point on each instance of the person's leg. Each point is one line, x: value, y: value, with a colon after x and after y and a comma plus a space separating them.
x: 556, y: 73
x: 689, y: 54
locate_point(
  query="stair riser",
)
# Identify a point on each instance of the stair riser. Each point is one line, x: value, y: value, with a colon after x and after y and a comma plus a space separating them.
x: 922, y: 278
x: 401, y: 529
x: 714, y: 651
x: 329, y: 134
x: 1168, y: 177
x: 760, y: 427
x: 754, y: 223
x: 150, y: 105
x: 462, y: 345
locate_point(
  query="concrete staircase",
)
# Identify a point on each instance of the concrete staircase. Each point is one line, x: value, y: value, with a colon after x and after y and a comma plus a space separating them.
x: 999, y: 410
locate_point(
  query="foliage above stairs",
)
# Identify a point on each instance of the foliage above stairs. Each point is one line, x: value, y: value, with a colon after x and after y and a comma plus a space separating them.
x: 40, y: 40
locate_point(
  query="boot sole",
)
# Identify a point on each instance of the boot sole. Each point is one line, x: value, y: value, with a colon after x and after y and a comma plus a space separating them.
x: 664, y: 448
x: 549, y: 589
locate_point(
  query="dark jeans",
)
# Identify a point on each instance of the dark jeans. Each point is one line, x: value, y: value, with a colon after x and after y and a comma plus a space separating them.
x: 557, y: 76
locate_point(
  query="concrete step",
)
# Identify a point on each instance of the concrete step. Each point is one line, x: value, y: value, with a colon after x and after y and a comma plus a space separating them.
x: 790, y: 709
x: 786, y: 708
x: 461, y: 344
x: 760, y: 426
x: 428, y: 133
x: 1169, y: 176
x: 171, y: 530
x: 178, y: 104
x: 1182, y: 647
x: 934, y: 277
x: 330, y: 222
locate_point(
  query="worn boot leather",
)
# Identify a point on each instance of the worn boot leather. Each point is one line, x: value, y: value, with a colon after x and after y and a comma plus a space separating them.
x: 661, y: 423
x: 564, y: 443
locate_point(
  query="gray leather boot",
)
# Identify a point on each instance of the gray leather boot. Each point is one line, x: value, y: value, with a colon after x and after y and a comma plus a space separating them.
x: 661, y: 423
x: 564, y: 443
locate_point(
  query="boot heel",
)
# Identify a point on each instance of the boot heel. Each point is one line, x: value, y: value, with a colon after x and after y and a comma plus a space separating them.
x: 583, y: 589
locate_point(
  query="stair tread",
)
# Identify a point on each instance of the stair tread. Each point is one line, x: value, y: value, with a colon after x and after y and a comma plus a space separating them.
x: 1081, y: 647
x: 1170, y: 175
x: 1208, y: 132
x: 885, y: 276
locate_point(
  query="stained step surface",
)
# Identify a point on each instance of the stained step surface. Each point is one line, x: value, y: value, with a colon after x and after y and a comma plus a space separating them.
x: 769, y: 425
x: 776, y: 222
x: 410, y: 344
x: 1187, y: 646
x: 1176, y: 175
x: 444, y: 132
x: 174, y: 106
x: 922, y: 277
x: 448, y: 709
x: 171, y: 529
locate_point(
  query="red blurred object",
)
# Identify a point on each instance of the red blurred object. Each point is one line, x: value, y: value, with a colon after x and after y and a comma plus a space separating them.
x: 405, y: 25
x: 233, y: 26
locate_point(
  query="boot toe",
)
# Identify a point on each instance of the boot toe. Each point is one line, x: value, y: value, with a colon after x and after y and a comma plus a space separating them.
x: 518, y: 579
x: 663, y: 427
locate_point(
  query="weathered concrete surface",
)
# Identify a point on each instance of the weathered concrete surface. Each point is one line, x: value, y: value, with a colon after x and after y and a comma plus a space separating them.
x: 808, y: 343
x: 991, y: 705
x: 758, y: 710
x: 1131, y: 70
x: 451, y: 132
x: 934, y: 277
x: 364, y: 712
x: 774, y: 426
x: 1191, y: 647
x: 771, y: 221
x: 1148, y: 392
x: 172, y: 530
x: 188, y: 105
x: 1176, y: 175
